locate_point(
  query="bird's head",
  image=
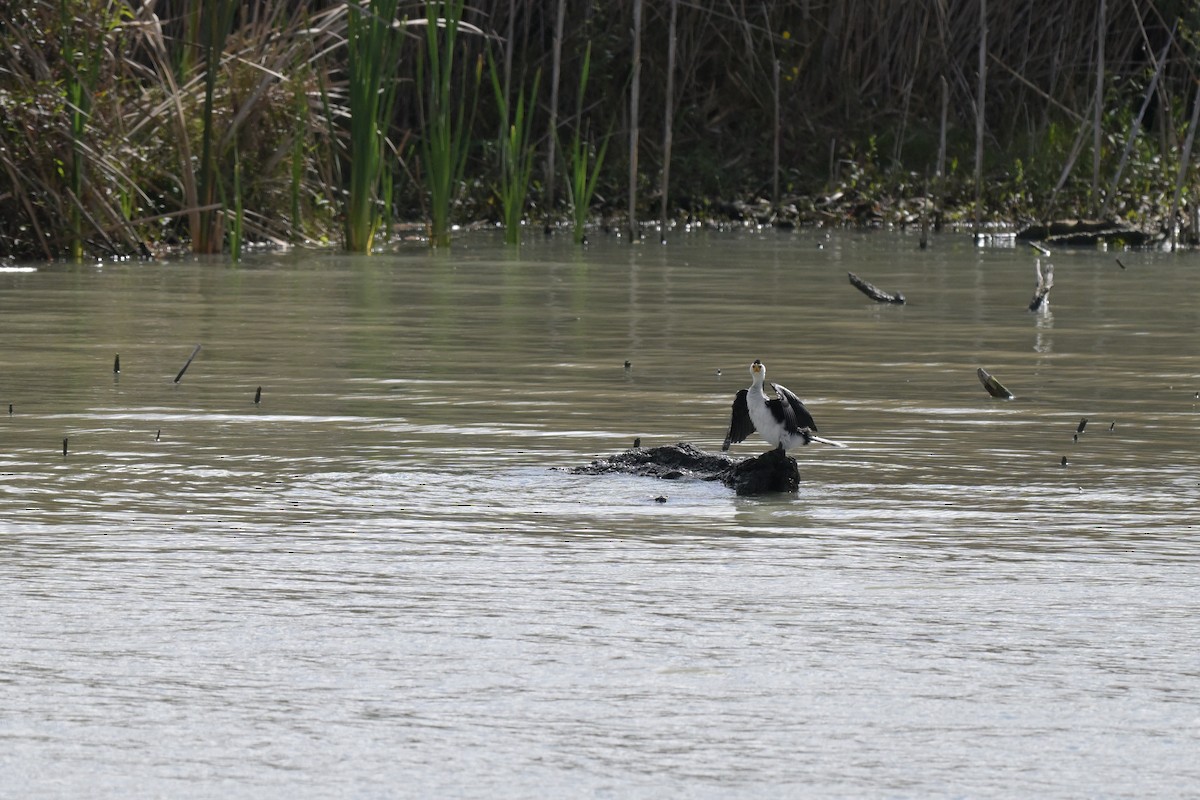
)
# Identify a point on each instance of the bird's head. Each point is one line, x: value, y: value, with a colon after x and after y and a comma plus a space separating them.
x: 758, y: 370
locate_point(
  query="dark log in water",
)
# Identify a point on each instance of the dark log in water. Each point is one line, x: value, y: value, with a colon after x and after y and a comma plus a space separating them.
x: 876, y: 294
x: 771, y: 472
x: 1086, y: 233
x: 191, y: 358
x: 993, y: 386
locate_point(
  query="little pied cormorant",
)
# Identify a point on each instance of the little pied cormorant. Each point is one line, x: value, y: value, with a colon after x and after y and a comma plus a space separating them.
x: 783, y: 422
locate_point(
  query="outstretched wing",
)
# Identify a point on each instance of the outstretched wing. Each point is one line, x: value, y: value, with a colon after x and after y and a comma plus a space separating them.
x: 795, y: 415
x: 740, y: 425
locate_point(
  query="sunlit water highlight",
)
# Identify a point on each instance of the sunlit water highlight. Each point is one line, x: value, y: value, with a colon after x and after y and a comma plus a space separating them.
x: 382, y: 581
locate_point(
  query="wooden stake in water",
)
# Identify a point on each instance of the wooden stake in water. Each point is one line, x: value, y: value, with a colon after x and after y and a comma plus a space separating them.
x: 64, y: 447
x: 188, y: 364
x: 258, y: 395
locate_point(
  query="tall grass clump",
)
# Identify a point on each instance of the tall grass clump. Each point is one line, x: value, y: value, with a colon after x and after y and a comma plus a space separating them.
x: 373, y: 41
x: 584, y: 170
x: 516, y: 153
x: 446, y: 130
x: 216, y: 21
x: 80, y: 84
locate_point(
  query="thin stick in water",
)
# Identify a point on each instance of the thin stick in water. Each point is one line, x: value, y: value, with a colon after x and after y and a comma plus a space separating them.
x: 258, y: 396
x: 179, y: 377
x: 64, y: 447
x: 117, y: 364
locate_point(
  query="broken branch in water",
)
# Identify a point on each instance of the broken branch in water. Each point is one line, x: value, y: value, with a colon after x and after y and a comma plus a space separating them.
x: 993, y: 386
x: 1045, y: 282
x: 875, y: 293
x: 188, y: 364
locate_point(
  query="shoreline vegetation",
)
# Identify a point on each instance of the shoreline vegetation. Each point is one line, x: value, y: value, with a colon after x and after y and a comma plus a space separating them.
x: 133, y: 128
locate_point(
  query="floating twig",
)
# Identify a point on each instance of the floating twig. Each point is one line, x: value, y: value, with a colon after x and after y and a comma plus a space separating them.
x: 188, y: 364
x: 993, y: 386
x: 1045, y: 282
x: 1119, y: 264
x: 1082, y: 425
x: 875, y: 293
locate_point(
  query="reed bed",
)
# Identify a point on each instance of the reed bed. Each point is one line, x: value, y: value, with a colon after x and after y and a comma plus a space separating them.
x: 131, y: 127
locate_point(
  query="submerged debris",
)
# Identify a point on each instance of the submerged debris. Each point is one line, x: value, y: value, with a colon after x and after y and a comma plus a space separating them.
x: 1087, y: 233
x: 771, y: 472
x: 875, y: 293
x: 1045, y: 282
x: 993, y: 386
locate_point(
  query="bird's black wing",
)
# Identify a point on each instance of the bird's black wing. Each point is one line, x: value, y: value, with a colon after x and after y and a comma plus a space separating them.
x: 740, y: 425
x: 795, y: 415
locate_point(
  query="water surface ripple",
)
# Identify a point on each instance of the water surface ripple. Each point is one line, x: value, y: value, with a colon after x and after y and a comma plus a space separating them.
x: 382, y: 580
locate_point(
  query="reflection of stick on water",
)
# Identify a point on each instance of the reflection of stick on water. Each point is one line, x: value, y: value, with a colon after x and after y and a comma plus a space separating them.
x: 188, y: 364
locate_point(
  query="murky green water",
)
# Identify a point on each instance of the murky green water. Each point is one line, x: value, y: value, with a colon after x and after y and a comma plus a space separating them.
x: 376, y: 583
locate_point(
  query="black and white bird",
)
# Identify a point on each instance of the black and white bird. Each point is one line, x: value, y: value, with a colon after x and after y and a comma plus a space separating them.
x: 783, y: 421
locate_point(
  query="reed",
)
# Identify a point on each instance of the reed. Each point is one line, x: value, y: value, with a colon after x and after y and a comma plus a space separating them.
x: 551, y: 169
x: 584, y: 168
x: 446, y: 123
x: 79, y: 85
x: 516, y: 153
x: 216, y: 20
x: 373, y: 42
x: 237, y: 219
x: 668, y: 123
x: 635, y: 88
x: 119, y: 120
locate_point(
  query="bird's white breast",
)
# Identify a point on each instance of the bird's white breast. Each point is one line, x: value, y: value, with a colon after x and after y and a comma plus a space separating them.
x: 764, y: 421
